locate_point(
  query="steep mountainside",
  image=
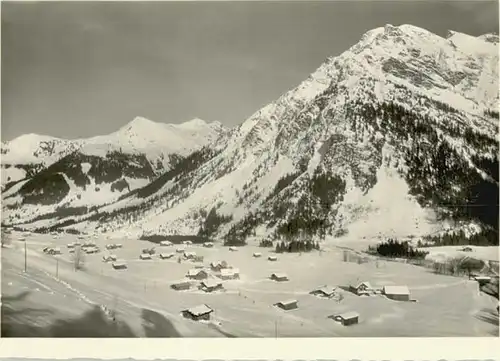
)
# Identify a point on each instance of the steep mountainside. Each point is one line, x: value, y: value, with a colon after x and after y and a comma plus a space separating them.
x: 96, y: 171
x: 394, y: 137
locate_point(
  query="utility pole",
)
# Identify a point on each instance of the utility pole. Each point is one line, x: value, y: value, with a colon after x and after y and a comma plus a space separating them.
x: 25, y: 257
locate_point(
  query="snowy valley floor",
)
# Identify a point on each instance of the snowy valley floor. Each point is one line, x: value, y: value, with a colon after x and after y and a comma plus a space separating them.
x: 52, y: 299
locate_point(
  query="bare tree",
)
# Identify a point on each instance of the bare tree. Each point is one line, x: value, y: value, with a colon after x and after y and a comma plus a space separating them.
x: 78, y: 258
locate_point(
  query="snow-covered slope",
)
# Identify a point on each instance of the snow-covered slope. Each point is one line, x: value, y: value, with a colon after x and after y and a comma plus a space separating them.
x: 83, y: 173
x: 141, y: 136
x: 392, y: 137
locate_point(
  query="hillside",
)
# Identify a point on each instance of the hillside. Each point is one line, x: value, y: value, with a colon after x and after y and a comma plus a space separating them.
x: 394, y: 137
x: 85, y: 173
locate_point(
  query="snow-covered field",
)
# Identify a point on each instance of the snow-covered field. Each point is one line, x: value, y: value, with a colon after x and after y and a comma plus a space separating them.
x: 446, y: 306
x: 448, y: 252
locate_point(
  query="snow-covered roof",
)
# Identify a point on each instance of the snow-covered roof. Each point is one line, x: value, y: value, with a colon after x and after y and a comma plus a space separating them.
x: 396, y: 290
x: 182, y: 282
x: 279, y: 275
x: 194, y: 272
x: 287, y: 302
x: 366, y: 284
x: 210, y: 283
x: 229, y: 271
x: 199, y: 310
x: 348, y: 315
x: 326, y: 289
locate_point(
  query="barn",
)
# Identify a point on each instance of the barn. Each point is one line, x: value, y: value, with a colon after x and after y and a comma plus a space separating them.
x: 324, y: 291
x: 398, y: 293
x: 279, y: 277
x: 347, y: 318
x: 287, y: 305
x: 229, y: 273
x: 181, y: 285
x: 198, y: 313
x: 210, y: 286
x: 197, y: 274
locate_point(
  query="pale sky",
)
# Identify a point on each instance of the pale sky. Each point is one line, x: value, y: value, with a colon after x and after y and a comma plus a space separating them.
x: 78, y: 69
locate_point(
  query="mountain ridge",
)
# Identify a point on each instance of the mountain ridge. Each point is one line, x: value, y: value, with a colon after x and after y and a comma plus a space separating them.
x: 360, y: 148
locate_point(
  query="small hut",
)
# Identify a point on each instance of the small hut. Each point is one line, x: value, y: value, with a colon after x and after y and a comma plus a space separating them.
x: 279, y: 277
x: 109, y: 258
x: 287, y: 305
x: 145, y: 256
x: 398, y: 293
x: 198, y: 313
x: 197, y: 274
x: 229, y: 273
x: 362, y: 289
x: 324, y: 291
x: 181, y: 285
x: 257, y: 254
x: 218, y: 265
x: 210, y: 286
x: 189, y: 255
x: 346, y: 318
x: 272, y: 258
x: 119, y: 265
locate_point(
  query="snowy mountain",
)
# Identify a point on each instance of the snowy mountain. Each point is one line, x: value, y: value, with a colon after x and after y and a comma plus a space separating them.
x: 88, y: 172
x: 394, y: 137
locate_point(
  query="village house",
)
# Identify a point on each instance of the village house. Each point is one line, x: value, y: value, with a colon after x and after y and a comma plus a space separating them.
x: 272, y: 258
x: 198, y: 313
x: 233, y: 249
x: 347, y: 318
x: 145, y: 256
x: 181, y: 285
x: 467, y: 249
x: 361, y: 289
x: 165, y: 243
x: 218, y: 265
x: 166, y: 255
x: 229, y: 273
x: 210, y: 286
x: 257, y: 254
x: 187, y: 243
x: 197, y: 259
x: 208, y: 244
x: 325, y: 291
x: 287, y: 305
x: 279, y: 277
x: 398, y: 293
x: 180, y: 250
x: 119, y: 265
x: 197, y: 274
